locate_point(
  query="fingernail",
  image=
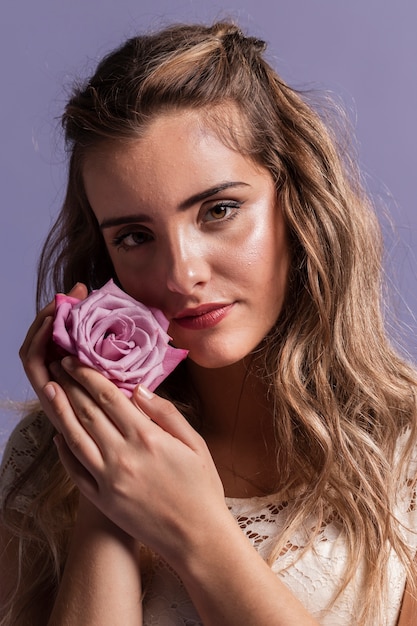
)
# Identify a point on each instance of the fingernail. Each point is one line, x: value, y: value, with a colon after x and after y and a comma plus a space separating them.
x: 145, y: 392
x: 49, y: 392
x: 67, y: 363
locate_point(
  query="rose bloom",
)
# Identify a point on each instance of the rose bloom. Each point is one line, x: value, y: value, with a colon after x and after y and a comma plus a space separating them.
x: 118, y: 336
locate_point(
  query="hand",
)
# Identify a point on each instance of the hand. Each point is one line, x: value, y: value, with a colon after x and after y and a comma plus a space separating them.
x: 139, y: 462
x: 34, y: 350
x: 92, y: 522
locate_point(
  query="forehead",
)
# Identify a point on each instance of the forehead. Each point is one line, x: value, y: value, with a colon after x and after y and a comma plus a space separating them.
x: 225, y: 121
x: 188, y: 144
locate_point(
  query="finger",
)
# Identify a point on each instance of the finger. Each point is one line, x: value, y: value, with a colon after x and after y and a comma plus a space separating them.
x: 34, y: 329
x: 78, y: 291
x: 79, y: 441
x: 165, y: 414
x: 33, y: 356
x: 87, y: 412
x: 76, y: 471
x: 120, y: 411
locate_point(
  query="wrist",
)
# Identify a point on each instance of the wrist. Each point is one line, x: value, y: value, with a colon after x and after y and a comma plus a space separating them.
x: 230, y: 583
x: 205, y: 543
x: 93, y: 523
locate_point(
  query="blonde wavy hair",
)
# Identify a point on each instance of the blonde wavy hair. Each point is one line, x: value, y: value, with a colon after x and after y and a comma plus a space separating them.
x: 343, y: 395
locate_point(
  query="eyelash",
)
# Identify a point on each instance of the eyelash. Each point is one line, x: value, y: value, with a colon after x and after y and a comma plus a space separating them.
x: 120, y: 240
x: 235, y: 206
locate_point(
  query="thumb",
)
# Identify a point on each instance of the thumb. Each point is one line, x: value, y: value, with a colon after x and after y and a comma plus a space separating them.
x: 165, y: 414
x: 79, y: 291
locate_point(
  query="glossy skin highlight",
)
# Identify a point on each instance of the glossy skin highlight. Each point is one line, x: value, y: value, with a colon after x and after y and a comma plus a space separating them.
x: 193, y: 228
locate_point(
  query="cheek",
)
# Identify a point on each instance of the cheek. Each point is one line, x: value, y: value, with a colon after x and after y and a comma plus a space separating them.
x: 269, y: 259
x: 133, y: 281
x: 264, y: 255
x: 140, y: 288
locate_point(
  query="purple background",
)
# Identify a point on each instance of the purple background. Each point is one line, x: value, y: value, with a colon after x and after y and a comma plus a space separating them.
x: 362, y: 50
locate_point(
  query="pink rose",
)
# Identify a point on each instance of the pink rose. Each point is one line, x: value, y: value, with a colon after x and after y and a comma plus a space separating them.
x: 118, y: 336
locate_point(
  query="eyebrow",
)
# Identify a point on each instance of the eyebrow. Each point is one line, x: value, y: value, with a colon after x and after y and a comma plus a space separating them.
x: 186, y: 204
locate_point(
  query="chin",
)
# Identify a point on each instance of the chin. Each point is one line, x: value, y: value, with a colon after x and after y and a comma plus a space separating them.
x: 219, y: 352
x: 211, y: 361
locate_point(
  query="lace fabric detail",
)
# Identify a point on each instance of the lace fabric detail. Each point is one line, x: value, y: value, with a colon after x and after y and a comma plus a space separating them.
x: 21, y: 450
x: 313, y: 576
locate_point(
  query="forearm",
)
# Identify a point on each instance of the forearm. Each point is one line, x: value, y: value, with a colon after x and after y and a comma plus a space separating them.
x: 230, y: 584
x: 101, y: 581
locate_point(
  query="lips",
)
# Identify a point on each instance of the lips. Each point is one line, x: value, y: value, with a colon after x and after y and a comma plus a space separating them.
x: 202, y: 317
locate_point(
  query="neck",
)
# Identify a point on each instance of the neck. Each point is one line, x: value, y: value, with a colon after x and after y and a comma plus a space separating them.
x: 237, y: 423
x: 229, y: 396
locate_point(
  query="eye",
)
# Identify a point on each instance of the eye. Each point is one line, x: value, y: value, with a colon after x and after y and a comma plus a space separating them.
x: 132, y: 239
x: 222, y: 211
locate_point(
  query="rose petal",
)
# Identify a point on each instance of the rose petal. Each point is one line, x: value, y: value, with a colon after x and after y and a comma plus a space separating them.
x: 120, y: 337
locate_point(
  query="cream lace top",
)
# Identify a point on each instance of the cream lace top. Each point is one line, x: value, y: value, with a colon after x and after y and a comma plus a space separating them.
x: 313, y: 578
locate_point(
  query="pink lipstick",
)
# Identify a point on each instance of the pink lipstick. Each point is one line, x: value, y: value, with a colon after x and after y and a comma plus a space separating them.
x: 202, y: 317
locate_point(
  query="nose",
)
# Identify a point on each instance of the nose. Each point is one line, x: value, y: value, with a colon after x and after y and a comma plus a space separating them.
x: 187, y: 265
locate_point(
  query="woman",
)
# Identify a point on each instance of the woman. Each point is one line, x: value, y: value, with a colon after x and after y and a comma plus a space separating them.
x: 206, y: 187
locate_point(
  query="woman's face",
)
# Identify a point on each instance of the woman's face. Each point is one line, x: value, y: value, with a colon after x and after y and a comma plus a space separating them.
x: 193, y: 228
